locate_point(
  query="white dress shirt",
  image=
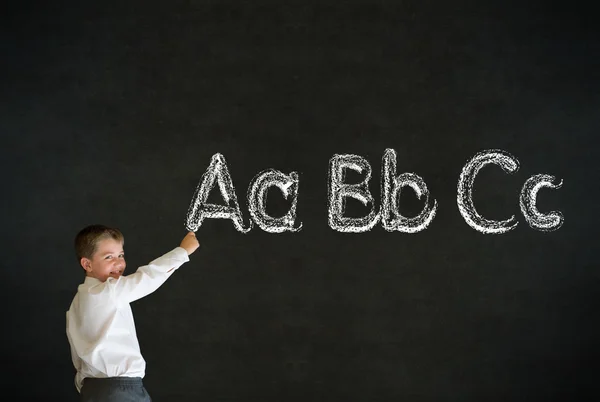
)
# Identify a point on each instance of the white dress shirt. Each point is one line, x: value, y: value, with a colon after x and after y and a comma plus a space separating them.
x: 100, y: 325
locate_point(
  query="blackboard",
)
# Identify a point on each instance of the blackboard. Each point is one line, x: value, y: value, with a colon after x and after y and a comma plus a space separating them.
x: 113, y: 111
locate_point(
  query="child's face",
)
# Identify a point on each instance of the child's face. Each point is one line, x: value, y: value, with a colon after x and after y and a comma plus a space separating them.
x: 107, y: 261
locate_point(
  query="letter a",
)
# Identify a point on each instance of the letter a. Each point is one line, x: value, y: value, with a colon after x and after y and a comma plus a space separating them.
x: 199, y: 209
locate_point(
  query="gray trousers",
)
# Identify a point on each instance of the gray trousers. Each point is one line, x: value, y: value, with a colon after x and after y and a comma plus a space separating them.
x: 114, y: 389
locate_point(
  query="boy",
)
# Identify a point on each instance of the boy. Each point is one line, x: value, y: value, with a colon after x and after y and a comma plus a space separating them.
x: 100, y: 325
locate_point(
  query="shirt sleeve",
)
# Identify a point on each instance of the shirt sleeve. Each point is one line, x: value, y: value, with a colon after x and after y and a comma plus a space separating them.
x: 147, y: 278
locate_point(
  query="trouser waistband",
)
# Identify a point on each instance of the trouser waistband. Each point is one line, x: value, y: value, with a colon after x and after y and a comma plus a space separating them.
x: 114, y: 380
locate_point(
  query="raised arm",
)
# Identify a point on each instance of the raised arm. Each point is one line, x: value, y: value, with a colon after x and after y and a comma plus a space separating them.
x: 150, y: 277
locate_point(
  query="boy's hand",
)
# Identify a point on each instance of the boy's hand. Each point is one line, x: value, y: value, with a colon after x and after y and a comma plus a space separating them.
x: 190, y: 243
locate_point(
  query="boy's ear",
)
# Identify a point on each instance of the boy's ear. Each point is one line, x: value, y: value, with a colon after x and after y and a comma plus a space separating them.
x: 86, y: 264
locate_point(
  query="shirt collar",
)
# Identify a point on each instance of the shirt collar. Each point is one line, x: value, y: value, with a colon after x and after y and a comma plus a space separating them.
x: 90, y: 281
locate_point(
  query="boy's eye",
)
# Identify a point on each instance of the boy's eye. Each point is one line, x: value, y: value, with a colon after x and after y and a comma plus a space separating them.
x: 108, y: 257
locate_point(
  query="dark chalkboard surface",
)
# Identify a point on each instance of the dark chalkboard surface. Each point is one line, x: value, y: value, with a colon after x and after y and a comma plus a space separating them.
x: 111, y: 113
